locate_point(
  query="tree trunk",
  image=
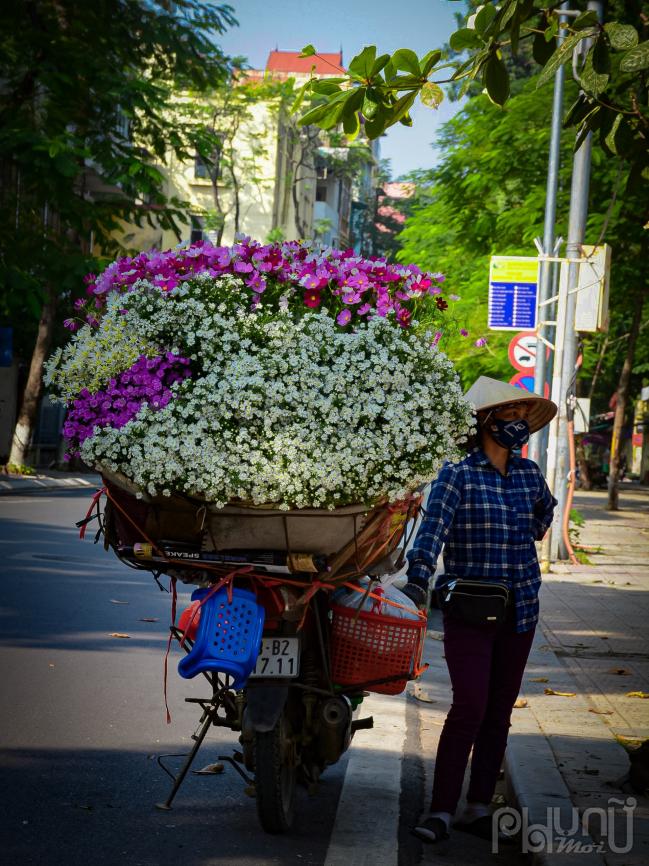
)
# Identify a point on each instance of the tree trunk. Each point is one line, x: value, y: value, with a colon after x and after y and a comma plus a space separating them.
x: 598, y: 367
x: 620, y: 408
x: 34, y: 387
x: 214, y: 177
x: 237, y: 198
x: 584, y: 469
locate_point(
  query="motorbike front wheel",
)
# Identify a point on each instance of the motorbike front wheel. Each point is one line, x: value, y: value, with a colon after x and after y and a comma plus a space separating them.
x: 275, y: 777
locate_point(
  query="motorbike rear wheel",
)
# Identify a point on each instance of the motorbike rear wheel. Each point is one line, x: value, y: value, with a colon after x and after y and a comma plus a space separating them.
x: 275, y: 777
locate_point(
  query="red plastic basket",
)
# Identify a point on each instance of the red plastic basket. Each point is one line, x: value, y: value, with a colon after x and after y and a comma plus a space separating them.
x: 368, y: 648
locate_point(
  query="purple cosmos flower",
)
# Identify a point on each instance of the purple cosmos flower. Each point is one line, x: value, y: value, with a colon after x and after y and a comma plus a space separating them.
x: 464, y: 332
x: 480, y: 343
x: 339, y: 273
x: 148, y: 380
x: 344, y: 317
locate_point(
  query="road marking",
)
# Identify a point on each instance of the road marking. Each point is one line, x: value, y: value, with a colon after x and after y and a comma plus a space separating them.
x: 365, y: 832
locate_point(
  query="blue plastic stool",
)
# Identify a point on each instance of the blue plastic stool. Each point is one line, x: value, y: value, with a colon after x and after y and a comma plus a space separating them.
x: 228, y: 639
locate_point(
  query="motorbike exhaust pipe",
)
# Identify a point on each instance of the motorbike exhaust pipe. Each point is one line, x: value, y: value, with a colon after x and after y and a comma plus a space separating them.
x: 335, y: 729
x: 337, y: 712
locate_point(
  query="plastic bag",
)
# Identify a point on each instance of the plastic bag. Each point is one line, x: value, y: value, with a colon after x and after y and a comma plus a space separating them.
x: 350, y: 598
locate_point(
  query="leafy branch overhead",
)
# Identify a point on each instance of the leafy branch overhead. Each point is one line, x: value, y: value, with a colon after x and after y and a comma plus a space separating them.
x: 612, y: 69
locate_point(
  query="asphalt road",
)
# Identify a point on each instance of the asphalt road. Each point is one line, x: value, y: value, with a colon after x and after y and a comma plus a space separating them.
x: 82, y: 716
x: 82, y: 722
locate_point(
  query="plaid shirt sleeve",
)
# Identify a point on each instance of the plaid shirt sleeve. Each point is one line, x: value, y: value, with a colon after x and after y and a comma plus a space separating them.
x: 442, y: 502
x: 543, y: 511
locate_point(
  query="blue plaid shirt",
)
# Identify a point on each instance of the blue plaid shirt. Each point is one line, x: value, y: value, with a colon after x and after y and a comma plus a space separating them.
x: 489, y: 523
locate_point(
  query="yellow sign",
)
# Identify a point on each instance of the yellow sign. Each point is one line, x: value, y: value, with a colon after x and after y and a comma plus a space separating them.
x: 514, y: 269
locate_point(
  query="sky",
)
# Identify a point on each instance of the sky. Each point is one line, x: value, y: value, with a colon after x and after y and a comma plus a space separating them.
x: 330, y: 25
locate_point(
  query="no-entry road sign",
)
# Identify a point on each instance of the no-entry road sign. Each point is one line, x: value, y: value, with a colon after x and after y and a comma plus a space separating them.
x: 522, y: 351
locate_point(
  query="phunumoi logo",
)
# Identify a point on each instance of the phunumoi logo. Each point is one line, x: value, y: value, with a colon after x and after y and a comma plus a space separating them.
x: 568, y: 831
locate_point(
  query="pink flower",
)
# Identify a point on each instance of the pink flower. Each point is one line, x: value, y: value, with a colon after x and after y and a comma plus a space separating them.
x: 363, y: 309
x: 480, y: 343
x: 464, y: 332
x: 343, y: 318
x: 403, y: 317
x: 257, y: 283
x: 310, y: 281
x: 436, y: 338
x: 312, y: 298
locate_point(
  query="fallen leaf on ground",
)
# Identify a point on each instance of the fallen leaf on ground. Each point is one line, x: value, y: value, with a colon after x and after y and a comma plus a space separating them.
x: 520, y: 703
x: 421, y: 695
x: 560, y: 694
x: 637, y: 695
x: 600, y: 712
x: 620, y: 672
x: 539, y: 680
x: 435, y: 635
x: 209, y: 770
x: 117, y: 601
x: 118, y: 634
x: 149, y: 619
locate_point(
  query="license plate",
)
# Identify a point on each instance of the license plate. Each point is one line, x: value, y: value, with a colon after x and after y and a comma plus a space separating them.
x: 279, y: 657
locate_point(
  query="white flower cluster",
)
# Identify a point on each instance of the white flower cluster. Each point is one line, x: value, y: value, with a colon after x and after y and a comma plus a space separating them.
x: 297, y: 413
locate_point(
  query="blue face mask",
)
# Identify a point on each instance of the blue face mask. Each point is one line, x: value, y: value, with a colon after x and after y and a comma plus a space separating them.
x: 510, y: 434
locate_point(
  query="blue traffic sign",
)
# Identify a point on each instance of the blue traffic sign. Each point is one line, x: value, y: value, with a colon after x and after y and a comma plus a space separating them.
x: 512, y: 293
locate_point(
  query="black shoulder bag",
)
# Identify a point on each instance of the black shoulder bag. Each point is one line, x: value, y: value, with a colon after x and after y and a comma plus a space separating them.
x: 475, y: 602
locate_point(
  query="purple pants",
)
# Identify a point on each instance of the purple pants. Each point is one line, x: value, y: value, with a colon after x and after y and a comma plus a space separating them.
x: 486, y: 665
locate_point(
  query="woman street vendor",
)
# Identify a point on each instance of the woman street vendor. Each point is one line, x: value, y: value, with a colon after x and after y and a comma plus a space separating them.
x: 488, y: 510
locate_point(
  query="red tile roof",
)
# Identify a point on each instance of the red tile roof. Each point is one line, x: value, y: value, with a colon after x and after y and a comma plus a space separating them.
x: 290, y: 61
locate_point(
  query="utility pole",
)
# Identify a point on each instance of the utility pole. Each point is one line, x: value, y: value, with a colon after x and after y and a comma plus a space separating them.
x: 538, y: 441
x: 564, y: 374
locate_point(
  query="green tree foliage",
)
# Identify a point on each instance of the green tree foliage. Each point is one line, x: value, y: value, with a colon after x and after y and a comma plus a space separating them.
x: 487, y: 197
x: 85, y: 92
x: 381, y: 89
x: 84, y: 97
x: 229, y: 147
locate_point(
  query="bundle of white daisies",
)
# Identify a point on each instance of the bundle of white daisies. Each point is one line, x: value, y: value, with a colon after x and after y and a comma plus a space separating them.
x: 194, y: 389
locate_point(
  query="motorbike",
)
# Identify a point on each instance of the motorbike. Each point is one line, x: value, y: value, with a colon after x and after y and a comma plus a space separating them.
x: 288, y: 669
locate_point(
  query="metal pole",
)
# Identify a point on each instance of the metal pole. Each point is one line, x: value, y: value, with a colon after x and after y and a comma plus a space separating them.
x: 564, y: 377
x: 537, y: 449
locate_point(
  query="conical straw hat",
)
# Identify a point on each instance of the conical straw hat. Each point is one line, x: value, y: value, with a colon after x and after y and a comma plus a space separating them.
x: 487, y: 393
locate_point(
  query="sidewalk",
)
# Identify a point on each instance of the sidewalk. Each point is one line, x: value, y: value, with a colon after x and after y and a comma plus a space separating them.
x: 566, y: 750
x: 51, y: 480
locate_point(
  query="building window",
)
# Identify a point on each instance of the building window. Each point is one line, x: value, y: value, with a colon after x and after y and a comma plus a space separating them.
x: 197, y: 233
x: 321, y: 192
x: 200, y: 169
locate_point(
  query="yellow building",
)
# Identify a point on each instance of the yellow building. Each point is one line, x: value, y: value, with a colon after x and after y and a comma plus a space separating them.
x: 270, y: 179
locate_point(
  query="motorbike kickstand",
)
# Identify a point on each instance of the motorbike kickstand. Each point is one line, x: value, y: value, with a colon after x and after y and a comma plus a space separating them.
x: 205, y: 724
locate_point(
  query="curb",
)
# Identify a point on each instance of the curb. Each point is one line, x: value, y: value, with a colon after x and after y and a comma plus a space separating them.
x: 536, y: 787
x: 36, y: 484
